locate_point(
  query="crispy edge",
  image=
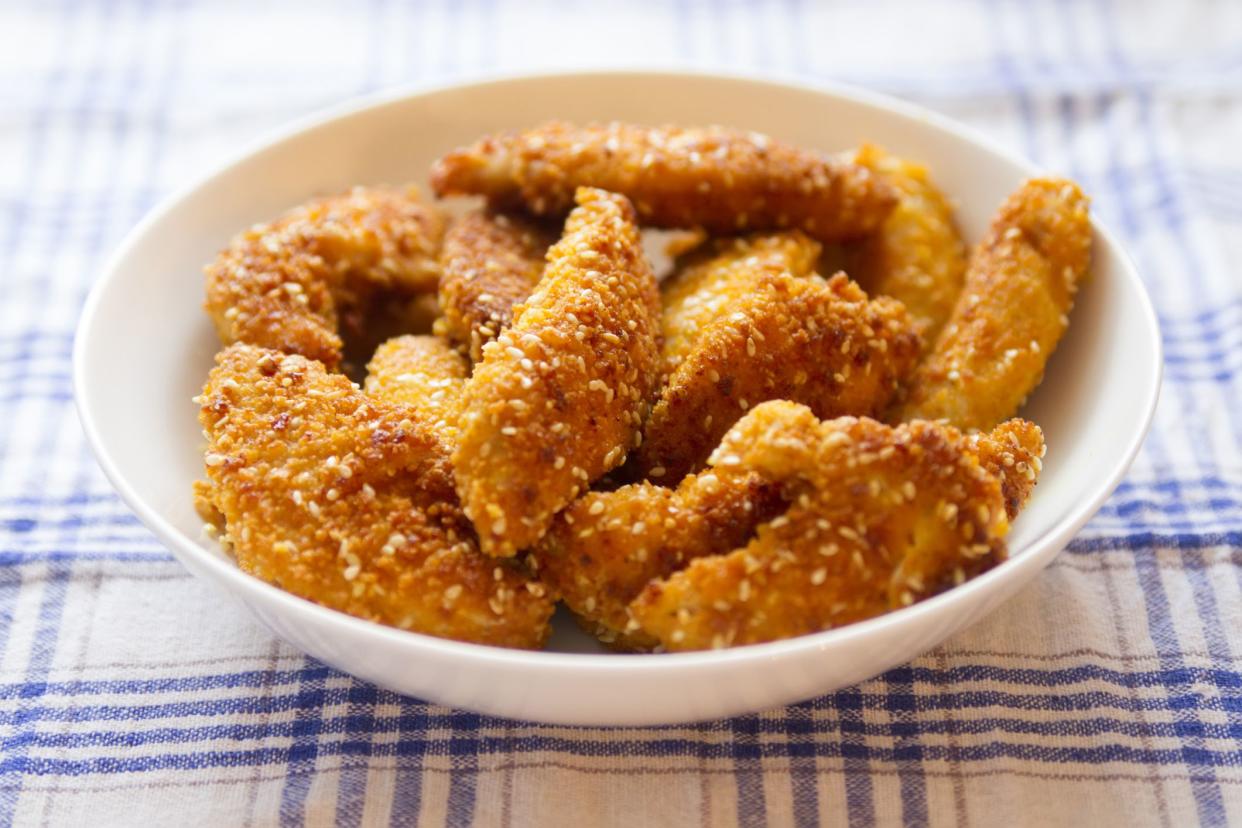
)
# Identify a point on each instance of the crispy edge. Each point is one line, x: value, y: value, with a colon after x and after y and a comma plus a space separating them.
x: 805, y: 339
x: 883, y: 517
x: 723, y: 180
x: 424, y: 373
x: 347, y: 501
x: 560, y: 395
x: 490, y: 262
x: 295, y: 283
x: 606, y: 546
x: 917, y: 255
x: 1013, y: 310
x: 1013, y: 452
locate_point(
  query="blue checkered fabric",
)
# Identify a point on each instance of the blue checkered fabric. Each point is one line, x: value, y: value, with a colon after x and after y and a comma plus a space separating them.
x: 1109, y: 692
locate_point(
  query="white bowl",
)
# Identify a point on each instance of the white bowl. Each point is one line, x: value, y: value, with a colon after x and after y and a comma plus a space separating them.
x: 144, y: 347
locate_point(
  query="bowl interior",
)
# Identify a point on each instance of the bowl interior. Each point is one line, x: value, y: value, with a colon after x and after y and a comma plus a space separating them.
x: 145, y: 345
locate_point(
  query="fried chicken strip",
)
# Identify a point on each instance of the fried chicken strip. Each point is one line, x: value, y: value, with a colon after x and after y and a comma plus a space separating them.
x: 714, y: 275
x: 884, y: 517
x: 426, y: 374
x: 1013, y: 309
x: 723, y: 180
x: 348, y: 501
x: 560, y: 395
x: 606, y: 546
x: 295, y: 283
x: 917, y: 256
x: 772, y: 335
x: 490, y: 262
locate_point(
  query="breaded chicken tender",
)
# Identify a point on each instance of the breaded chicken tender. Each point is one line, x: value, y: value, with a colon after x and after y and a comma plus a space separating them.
x: 561, y: 394
x: 348, y: 501
x: 605, y: 547
x: 723, y: 180
x: 917, y: 255
x: 882, y: 517
x: 490, y: 262
x: 295, y: 284
x: 775, y: 336
x: 1013, y: 309
x: 426, y: 374
x: 714, y: 275
x: 1013, y: 453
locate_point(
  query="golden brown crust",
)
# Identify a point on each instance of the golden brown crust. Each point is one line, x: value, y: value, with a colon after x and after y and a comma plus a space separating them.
x: 775, y: 336
x: 560, y: 395
x: 606, y: 546
x: 881, y: 517
x: 723, y: 180
x: 490, y: 263
x: 426, y: 374
x: 348, y: 501
x: 295, y: 283
x: 917, y: 256
x: 712, y: 276
x: 1013, y: 309
x: 1013, y: 453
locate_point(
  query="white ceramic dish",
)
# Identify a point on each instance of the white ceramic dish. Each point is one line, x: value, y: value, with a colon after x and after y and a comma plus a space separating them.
x: 144, y: 347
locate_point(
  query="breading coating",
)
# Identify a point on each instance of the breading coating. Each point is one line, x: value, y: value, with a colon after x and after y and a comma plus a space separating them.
x: 297, y: 283
x: 1012, y: 452
x: 723, y: 180
x: 606, y: 546
x: 775, y: 336
x: 1013, y: 309
x: 917, y: 256
x: 881, y: 517
x: 714, y: 275
x: 426, y: 374
x: 348, y: 501
x: 490, y: 262
x: 560, y: 395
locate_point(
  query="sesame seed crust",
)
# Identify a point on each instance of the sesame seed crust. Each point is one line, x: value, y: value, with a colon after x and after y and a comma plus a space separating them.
x: 768, y: 333
x: 917, y: 256
x: 298, y: 283
x: 560, y: 395
x: 348, y: 500
x: 880, y: 517
x: 1013, y: 452
x: 598, y: 563
x: 490, y: 262
x: 426, y: 374
x: 1012, y: 311
x: 714, y: 274
x: 723, y: 180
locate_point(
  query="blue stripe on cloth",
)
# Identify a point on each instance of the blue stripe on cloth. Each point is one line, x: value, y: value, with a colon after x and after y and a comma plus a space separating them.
x: 412, y: 747
x: 14, y: 749
x: 463, y: 750
x: 305, y: 751
x: 803, y: 771
x: 746, y: 751
x: 352, y: 784
x: 905, y: 725
x: 859, y: 792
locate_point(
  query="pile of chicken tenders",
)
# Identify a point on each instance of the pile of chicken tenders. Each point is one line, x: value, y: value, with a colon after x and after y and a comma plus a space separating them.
x: 753, y: 449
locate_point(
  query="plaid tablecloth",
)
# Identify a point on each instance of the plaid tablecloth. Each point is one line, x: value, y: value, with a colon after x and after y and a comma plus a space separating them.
x: 1108, y: 693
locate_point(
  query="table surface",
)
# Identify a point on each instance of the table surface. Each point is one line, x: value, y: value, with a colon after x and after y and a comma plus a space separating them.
x: 1108, y: 692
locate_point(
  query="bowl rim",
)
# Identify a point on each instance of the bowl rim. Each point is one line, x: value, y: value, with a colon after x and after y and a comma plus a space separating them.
x: 1035, y: 554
